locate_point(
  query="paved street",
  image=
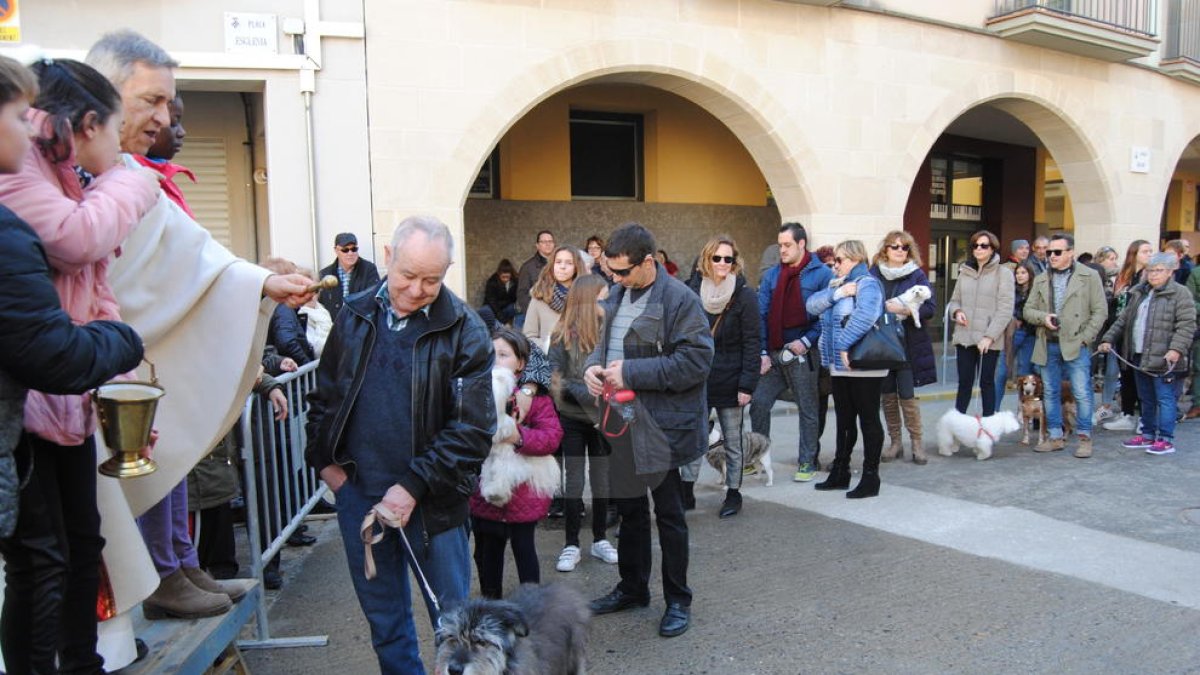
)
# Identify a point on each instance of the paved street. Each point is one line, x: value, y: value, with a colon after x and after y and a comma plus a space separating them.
x: 1023, y: 563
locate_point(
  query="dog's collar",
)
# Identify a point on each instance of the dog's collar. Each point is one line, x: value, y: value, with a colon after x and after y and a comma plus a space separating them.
x: 1034, y: 398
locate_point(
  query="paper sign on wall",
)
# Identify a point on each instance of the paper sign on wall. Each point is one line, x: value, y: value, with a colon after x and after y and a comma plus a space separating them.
x: 1139, y: 159
x: 10, y: 22
x: 250, y: 33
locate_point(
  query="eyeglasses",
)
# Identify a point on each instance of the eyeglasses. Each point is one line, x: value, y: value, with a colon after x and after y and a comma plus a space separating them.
x: 979, y: 246
x: 727, y: 259
x: 349, y: 249
x: 622, y: 273
x: 1056, y: 251
x: 1157, y: 270
x: 899, y: 247
x: 545, y: 241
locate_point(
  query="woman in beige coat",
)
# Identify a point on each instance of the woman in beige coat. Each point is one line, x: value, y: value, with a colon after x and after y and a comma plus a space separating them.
x: 981, y: 306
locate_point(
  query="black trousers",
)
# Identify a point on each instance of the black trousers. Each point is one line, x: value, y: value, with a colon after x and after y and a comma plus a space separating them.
x: 213, y: 535
x: 1129, y: 395
x: 969, y: 359
x: 856, y: 402
x: 490, y: 539
x: 52, y: 563
x: 581, y: 440
x: 633, y: 547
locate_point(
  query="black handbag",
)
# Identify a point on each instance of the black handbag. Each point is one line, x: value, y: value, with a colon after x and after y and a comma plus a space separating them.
x: 882, y: 348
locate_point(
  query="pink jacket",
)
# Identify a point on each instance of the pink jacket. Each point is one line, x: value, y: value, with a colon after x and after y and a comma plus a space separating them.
x: 80, y: 229
x: 541, y: 432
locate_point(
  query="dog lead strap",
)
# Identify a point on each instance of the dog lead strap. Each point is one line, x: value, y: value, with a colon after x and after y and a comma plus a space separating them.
x: 382, y: 516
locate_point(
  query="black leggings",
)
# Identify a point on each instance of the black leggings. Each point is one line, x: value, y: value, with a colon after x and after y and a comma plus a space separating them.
x: 856, y: 401
x: 1129, y: 395
x: 580, y: 440
x: 968, y: 359
x: 490, y: 538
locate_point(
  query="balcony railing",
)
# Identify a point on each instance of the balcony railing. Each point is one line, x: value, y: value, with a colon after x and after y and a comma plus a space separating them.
x: 1183, y: 31
x: 1109, y: 30
x: 1135, y: 16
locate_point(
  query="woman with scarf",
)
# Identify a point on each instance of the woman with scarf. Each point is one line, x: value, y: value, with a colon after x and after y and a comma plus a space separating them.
x: 898, y: 267
x: 1133, y: 272
x: 731, y: 306
x: 548, y: 296
x: 981, y: 307
x: 849, y: 309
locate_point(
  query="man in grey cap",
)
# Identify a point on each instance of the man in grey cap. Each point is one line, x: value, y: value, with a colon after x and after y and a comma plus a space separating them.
x: 354, y: 273
x: 1020, y: 251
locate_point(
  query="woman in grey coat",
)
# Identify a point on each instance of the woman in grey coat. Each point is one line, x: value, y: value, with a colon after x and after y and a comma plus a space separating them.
x: 1154, y: 333
x: 981, y: 306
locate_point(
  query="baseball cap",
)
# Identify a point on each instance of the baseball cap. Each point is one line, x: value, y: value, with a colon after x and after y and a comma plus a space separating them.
x: 345, y: 239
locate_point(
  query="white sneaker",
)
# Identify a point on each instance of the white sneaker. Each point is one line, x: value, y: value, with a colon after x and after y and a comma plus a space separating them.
x: 1122, y: 423
x: 1104, y: 412
x: 568, y: 559
x: 604, y: 551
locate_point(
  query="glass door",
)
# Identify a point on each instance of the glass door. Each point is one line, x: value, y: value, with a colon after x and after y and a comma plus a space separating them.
x: 949, y: 248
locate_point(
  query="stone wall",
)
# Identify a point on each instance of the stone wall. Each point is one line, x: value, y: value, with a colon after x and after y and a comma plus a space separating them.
x: 497, y: 229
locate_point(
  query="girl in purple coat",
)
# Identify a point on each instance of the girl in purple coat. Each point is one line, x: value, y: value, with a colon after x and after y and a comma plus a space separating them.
x: 494, y: 525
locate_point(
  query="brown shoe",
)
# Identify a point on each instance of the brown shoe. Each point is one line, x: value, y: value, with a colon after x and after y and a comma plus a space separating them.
x: 202, y: 580
x: 1193, y: 413
x: 178, y: 598
x: 1085, y: 447
x: 1051, y: 445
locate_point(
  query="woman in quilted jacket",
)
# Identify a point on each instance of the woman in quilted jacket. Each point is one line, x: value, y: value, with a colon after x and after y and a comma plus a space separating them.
x: 499, y: 516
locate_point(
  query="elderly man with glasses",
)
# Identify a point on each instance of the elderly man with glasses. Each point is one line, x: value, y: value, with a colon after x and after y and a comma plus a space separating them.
x: 353, y: 272
x: 1067, y: 305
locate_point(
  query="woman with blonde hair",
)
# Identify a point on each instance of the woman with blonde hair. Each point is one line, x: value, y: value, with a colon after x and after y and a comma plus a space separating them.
x: 897, y: 265
x: 731, y: 306
x: 849, y: 309
x: 573, y: 340
x: 548, y: 296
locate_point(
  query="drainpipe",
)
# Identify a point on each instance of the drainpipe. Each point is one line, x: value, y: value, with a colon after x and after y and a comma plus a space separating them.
x: 307, y: 86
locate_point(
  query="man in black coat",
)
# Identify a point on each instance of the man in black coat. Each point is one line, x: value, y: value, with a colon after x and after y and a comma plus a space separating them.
x: 353, y: 272
x: 655, y: 343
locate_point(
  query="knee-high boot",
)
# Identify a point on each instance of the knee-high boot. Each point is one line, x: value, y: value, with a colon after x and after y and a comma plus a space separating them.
x: 912, y: 421
x: 891, y: 416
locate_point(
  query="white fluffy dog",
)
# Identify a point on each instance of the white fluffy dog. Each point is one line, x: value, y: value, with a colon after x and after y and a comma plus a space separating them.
x: 912, y: 299
x: 505, y: 468
x: 979, y: 433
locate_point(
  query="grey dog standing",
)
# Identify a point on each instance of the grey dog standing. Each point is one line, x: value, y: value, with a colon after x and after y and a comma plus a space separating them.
x: 539, y: 630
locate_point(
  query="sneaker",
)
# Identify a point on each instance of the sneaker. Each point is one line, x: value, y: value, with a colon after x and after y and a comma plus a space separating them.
x: 1051, y: 445
x: 1161, y: 448
x: 602, y: 550
x: 1138, y: 443
x: 804, y: 473
x: 568, y: 559
x: 1122, y: 423
x: 1104, y: 412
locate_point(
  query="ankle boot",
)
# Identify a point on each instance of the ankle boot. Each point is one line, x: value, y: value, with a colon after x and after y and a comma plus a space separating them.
x: 689, y: 495
x: 839, y: 477
x: 732, y: 505
x: 912, y: 421
x: 204, y: 581
x: 868, y: 485
x: 891, y: 415
x: 178, y: 598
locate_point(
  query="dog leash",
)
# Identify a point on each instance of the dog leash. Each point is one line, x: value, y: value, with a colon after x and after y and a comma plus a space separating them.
x: 1139, y: 369
x: 382, y: 516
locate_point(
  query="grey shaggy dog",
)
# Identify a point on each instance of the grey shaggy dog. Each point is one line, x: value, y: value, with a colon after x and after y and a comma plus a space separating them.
x: 756, y: 454
x: 539, y: 630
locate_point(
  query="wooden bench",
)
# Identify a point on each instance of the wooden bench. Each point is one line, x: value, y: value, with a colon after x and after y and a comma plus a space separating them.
x: 197, y: 645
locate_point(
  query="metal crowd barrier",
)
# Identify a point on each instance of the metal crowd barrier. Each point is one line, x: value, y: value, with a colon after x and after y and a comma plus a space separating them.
x: 280, y: 489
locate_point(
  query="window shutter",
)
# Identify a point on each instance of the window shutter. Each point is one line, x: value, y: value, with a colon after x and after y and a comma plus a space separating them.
x: 209, y: 195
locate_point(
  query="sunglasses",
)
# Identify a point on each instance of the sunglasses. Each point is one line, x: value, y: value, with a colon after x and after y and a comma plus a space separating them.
x: 839, y: 260
x: 981, y: 246
x: 898, y: 247
x: 727, y: 259
x: 622, y: 273
x: 1056, y: 251
x: 349, y: 249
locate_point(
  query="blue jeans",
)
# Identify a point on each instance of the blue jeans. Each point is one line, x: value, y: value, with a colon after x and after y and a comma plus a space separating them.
x: 1112, y: 377
x: 386, y: 600
x: 1022, y: 347
x: 1079, y: 373
x: 802, y: 379
x: 1158, y: 404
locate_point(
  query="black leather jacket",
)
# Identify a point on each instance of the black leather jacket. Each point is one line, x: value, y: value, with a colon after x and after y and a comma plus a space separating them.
x: 453, y: 416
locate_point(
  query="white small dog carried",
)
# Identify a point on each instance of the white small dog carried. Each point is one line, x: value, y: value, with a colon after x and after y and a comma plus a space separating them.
x: 505, y: 468
x: 972, y: 431
x: 912, y: 299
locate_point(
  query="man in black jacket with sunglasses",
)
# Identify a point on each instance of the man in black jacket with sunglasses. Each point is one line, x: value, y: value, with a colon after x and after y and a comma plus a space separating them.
x: 353, y: 272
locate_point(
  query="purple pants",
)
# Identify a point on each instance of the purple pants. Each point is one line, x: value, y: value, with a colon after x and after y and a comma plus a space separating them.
x: 165, y: 530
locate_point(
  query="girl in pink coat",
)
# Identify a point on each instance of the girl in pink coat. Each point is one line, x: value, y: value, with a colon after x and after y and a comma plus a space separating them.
x: 495, y: 524
x: 71, y: 193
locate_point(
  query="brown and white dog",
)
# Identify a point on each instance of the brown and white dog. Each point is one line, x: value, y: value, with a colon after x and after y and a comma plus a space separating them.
x: 1033, y: 407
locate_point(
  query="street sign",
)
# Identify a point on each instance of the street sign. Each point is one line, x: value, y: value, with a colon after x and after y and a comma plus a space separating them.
x: 250, y: 33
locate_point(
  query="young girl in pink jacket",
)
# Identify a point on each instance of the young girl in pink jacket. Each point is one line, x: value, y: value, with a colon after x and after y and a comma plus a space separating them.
x: 495, y: 524
x: 82, y: 206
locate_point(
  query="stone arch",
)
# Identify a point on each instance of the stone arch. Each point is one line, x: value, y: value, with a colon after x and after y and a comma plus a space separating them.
x: 1042, y: 105
x: 733, y: 96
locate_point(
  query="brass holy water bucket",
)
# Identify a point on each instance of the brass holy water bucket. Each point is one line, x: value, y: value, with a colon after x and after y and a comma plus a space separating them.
x: 126, y: 411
